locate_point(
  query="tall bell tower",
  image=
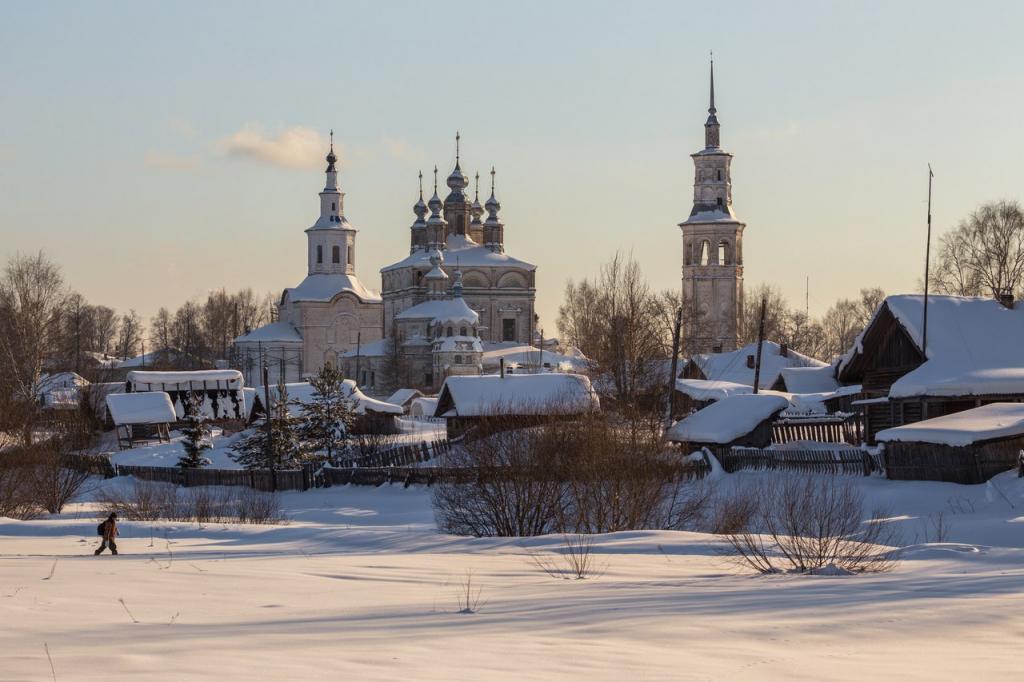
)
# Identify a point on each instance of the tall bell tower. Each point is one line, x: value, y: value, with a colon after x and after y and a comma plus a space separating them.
x: 712, y: 249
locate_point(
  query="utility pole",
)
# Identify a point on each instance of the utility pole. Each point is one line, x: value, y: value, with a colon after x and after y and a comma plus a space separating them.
x: 540, y: 356
x: 359, y: 344
x: 760, y: 342
x: 675, y: 368
x: 927, y: 255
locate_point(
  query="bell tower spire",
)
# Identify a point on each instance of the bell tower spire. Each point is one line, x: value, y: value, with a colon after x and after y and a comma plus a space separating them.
x: 711, y: 127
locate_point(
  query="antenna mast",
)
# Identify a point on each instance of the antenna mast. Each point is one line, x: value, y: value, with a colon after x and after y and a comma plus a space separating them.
x: 927, y: 255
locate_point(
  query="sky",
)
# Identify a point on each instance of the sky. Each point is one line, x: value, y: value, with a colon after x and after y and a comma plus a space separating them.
x: 158, y: 151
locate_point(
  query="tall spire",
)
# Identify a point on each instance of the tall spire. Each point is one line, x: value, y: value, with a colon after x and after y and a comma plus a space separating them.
x: 331, y: 158
x: 457, y: 138
x: 711, y: 127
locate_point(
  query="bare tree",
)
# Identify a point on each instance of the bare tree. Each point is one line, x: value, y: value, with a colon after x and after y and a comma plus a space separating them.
x: 984, y: 255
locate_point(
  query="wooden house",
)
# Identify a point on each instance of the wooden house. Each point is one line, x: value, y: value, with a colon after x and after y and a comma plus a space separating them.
x: 974, y: 356
x: 970, y: 446
x: 735, y: 420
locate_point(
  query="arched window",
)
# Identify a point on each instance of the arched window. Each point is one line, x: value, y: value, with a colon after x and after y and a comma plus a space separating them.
x: 449, y: 332
x: 462, y: 331
x: 705, y: 252
x: 723, y: 252
x: 458, y: 359
x: 336, y: 254
x: 351, y: 255
x: 332, y: 206
x: 719, y: 175
x: 319, y: 254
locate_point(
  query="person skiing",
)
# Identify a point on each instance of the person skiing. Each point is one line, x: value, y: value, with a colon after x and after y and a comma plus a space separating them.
x: 108, y: 529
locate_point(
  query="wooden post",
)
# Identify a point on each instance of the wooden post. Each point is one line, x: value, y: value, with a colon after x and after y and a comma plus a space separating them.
x: 675, y: 369
x: 760, y: 342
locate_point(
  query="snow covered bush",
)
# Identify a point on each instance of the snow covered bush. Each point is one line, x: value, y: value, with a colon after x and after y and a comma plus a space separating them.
x: 812, y: 523
x: 197, y: 436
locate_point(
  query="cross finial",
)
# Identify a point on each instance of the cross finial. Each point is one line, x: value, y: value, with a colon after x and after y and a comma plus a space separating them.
x: 435, y: 179
x: 492, y: 180
x: 457, y: 138
x: 332, y: 139
x: 476, y: 194
x: 421, y: 185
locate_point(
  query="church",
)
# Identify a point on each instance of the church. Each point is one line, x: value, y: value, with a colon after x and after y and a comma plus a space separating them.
x: 455, y: 292
x: 712, y: 249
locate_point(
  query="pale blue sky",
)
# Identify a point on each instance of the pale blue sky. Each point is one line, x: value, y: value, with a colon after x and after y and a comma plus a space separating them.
x: 121, y: 122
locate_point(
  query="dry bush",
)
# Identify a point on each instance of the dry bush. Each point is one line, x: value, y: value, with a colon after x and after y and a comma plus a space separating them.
x: 576, y: 560
x: 807, y: 523
x: 469, y: 596
x: 17, y: 498
x: 592, y: 475
x: 153, y: 501
x: 54, y: 484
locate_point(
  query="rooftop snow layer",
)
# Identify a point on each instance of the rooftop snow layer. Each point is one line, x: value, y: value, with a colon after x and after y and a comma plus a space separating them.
x: 445, y: 310
x: 988, y: 422
x: 326, y: 287
x: 810, y: 379
x: 518, y: 394
x: 728, y: 419
x: 141, y: 408
x: 974, y: 346
x: 275, y: 331
x: 524, y: 355
x: 732, y: 366
x: 186, y: 381
x: 462, y: 252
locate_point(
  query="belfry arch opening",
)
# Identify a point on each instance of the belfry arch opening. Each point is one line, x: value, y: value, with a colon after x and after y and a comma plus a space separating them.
x: 705, y: 252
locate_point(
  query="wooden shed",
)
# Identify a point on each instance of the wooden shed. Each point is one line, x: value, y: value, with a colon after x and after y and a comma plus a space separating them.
x: 970, y: 446
x: 736, y: 420
x: 141, y: 417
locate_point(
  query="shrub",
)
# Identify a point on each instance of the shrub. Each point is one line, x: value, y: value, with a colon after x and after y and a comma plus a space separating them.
x: 152, y: 501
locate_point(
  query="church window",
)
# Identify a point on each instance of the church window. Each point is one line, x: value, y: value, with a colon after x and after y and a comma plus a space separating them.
x: 508, y: 330
x: 373, y: 378
x: 719, y: 176
x: 458, y: 359
x: 705, y: 254
x: 336, y: 254
x: 319, y: 254
x: 428, y: 379
x: 723, y: 253
x: 351, y: 255
x: 449, y: 332
x: 718, y: 201
x: 332, y: 206
x: 462, y: 331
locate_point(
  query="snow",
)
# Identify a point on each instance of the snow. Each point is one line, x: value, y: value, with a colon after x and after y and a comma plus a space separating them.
x: 360, y: 581
x: 455, y: 344
x: 974, y: 346
x: 453, y: 310
x: 423, y: 407
x: 702, y: 389
x: 517, y: 394
x: 302, y: 392
x: 462, y: 252
x: 275, y: 331
x: 810, y: 379
x: 523, y: 355
x: 732, y: 366
x: 186, y: 381
x: 326, y: 287
x: 141, y: 408
x: 988, y: 422
x: 403, y: 396
x: 378, y: 348
x: 727, y: 419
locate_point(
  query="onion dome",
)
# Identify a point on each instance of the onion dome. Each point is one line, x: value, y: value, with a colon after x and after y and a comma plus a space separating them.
x: 457, y: 181
x: 436, y: 258
x: 331, y: 158
x: 492, y: 204
x: 420, y: 208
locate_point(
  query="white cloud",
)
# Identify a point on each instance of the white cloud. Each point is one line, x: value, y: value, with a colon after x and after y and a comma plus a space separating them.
x: 171, y: 161
x: 295, y: 147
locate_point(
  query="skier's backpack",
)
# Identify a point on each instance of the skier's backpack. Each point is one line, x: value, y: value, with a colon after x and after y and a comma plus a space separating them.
x: 99, y: 528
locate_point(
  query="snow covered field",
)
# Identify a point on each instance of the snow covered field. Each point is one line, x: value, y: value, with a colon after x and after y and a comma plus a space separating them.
x: 359, y: 585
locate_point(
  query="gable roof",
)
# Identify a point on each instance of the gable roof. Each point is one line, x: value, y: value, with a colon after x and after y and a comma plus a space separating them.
x: 988, y: 422
x: 141, y: 408
x: 516, y: 395
x: 275, y: 331
x: 975, y: 346
x: 732, y: 366
x: 809, y: 379
x: 726, y: 420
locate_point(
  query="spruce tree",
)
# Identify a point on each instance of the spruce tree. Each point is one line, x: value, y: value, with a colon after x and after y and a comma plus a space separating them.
x: 329, y: 414
x: 197, y: 435
x: 286, y: 450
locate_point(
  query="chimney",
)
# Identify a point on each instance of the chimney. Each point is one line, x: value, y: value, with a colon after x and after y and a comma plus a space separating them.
x: 1006, y: 299
x: 784, y: 350
x: 750, y: 362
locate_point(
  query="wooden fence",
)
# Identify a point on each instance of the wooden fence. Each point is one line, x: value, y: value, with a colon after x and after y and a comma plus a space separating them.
x: 399, y: 455
x: 821, y: 429
x: 838, y: 461
x: 259, y: 479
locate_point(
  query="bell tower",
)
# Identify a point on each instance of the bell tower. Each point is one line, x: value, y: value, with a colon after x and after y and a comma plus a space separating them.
x: 712, y: 248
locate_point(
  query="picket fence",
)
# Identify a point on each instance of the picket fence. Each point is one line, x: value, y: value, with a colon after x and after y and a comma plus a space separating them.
x: 851, y: 461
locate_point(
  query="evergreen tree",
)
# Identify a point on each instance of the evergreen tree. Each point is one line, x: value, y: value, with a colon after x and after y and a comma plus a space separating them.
x: 197, y: 435
x: 285, y: 451
x: 329, y: 414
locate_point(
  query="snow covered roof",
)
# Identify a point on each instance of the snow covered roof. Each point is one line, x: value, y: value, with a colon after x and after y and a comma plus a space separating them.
x: 724, y: 421
x: 702, y: 389
x: 275, y: 331
x: 988, y: 422
x: 715, y: 216
x: 423, y: 407
x: 810, y: 379
x: 378, y: 348
x: 454, y: 310
x: 524, y: 355
x: 732, y: 366
x: 464, y: 251
x: 517, y: 395
x: 326, y: 287
x: 186, y: 381
x: 302, y: 392
x: 974, y: 346
x: 403, y: 396
x: 141, y: 408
